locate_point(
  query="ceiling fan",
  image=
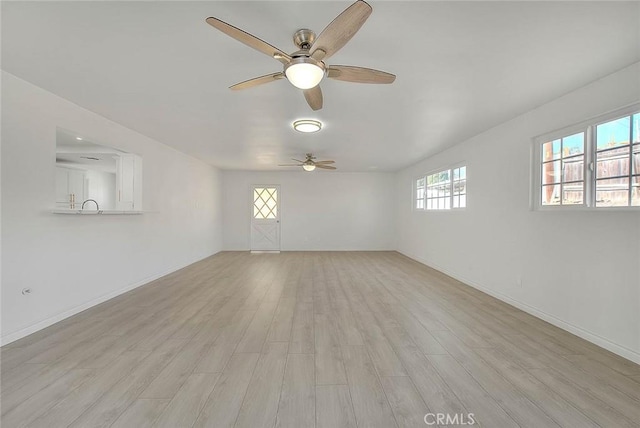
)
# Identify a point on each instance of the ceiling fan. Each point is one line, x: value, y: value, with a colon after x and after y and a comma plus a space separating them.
x: 309, y: 164
x: 305, y: 68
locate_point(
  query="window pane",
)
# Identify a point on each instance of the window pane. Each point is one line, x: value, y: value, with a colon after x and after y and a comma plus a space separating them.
x: 573, y: 169
x: 635, y: 192
x: 614, y: 133
x: 551, y: 172
x: 456, y: 201
x: 573, y: 145
x: 613, y: 163
x: 551, y: 150
x: 636, y: 159
x: 551, y: 195
x: 459, y: 187
x: 420, y: 182
x: 572, y: 194
x: 420, y: 204
x: 420, y: 193
x: 463, y: 201
x: 612, y: 193
x: 636, y: 128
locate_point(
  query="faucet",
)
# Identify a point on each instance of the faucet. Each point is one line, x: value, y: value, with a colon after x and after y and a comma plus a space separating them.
x: 91, y: 200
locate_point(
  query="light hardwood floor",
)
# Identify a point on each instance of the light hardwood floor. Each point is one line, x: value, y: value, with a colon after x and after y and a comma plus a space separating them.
x: 324, y: 339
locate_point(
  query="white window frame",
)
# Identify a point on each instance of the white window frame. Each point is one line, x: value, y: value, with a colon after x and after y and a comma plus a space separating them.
x: 414, y: 194
x: 588, y: 127
x: 450, y: 168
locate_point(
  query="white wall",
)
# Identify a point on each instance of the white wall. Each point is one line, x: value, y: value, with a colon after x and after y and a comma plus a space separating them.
x: 319, y: 210
x: 579, y: 270
x: 72, y: 262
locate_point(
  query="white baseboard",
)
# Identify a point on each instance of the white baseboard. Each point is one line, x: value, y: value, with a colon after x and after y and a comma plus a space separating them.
x: 551, y: 319
x: 12, y: 337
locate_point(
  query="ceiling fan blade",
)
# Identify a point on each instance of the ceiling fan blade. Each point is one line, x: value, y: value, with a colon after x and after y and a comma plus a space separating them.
x: 325, y: 162
x: 249, y: 40
x: 350, y: 73
x: 290, y: 164
x: 314, y: 97
x: 257, y: 81
x: 325, y: 166
x: 298, y: 160
x: 340, y: 30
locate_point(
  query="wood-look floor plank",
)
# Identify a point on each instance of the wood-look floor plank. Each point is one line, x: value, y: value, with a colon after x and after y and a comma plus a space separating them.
x: 173, y: 376
x: 485, y: 408
x: 215, y: 359
x: 515, y: 403
x: 370, y: 404
x: 302, y: 332
x: 184, y: 408
x: 222, y: 407
x: 78, y: 401
x: 30, y: 409
x: 18, y: 375
x: 333, y: 407
x: 117, y: 399
x: 607, y: 375
x: 407, y: 405
x: 563, y: 412
x: 297, y: 398
x: 256, y: 334
x: 280, y: 330
x: 142, y: 413
x: 432, y: 388
x: 595, y: 409
x: 260, y: 405
x: 329, y: 363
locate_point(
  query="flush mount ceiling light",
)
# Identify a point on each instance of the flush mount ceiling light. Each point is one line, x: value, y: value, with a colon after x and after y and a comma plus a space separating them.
x: 307, y: 125
x: 79, y: 138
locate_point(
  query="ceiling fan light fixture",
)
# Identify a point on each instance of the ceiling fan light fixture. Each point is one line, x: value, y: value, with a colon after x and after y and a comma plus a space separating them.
x: 308, y: 167
x: 304, y: 72
x: 307, y: 125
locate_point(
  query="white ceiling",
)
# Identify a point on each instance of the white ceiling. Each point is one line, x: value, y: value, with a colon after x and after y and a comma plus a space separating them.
x: 462, y: 67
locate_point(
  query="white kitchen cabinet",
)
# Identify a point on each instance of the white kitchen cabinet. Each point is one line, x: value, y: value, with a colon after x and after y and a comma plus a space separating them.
x: 70, y: 187
x: 128, y: 182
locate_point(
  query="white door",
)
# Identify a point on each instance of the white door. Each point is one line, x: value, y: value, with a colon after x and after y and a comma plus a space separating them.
x: 265, y: 218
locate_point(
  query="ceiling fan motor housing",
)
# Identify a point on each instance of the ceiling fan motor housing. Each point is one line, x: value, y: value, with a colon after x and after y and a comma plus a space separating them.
x: 304, y: 38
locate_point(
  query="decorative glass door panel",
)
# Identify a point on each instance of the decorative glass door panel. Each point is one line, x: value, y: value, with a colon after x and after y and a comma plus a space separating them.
x: 265, y: 219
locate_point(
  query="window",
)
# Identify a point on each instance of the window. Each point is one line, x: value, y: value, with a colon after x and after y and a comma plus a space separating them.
x: 617, y: 171
x: 460, y: 187
x: 420, y: 193
x: 442, y: 190
x: 563, y: 171
x: 595, y: 164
